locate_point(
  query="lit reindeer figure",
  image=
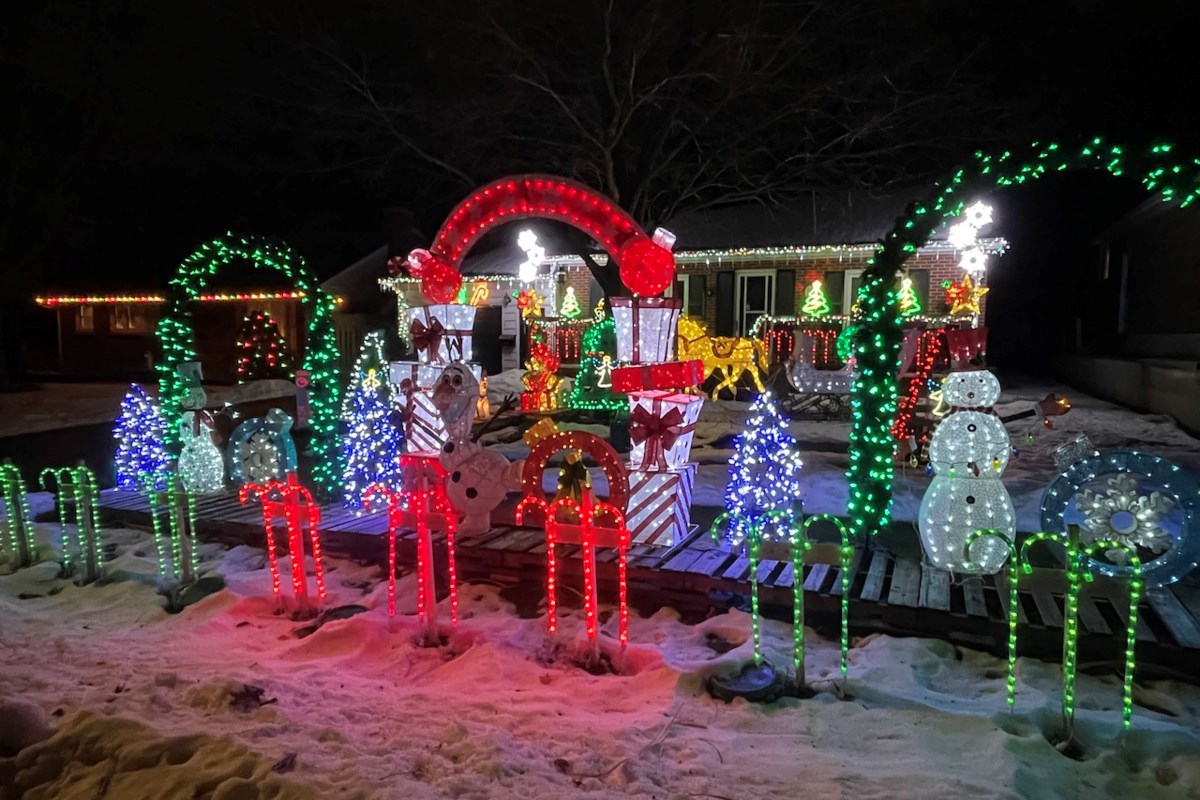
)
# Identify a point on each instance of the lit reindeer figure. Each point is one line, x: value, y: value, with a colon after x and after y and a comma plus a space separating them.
x: 732, y: 355
x: 294, y: 505
x: 419, y: 503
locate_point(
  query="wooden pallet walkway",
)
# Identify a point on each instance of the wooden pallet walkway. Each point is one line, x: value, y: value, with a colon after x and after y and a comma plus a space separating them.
x: 890, y: 594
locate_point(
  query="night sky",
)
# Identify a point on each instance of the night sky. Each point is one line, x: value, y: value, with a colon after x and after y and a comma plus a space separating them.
x: 136, y: 130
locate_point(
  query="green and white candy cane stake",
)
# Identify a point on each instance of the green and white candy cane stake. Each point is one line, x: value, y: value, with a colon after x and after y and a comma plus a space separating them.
x: 1013, y: 576
x: 798, y: 545
x: 16, y: 523
x: 176, y: 539
x: 1136, y: 585
x: 77, y: 495
x: 1073, y: 567
x: 846, y: 563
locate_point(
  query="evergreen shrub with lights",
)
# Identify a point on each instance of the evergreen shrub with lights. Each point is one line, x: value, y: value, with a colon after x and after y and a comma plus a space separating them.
x: 261, y: 351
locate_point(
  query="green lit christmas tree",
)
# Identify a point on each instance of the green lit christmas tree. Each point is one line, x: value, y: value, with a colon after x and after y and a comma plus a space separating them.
x: 593, y: 384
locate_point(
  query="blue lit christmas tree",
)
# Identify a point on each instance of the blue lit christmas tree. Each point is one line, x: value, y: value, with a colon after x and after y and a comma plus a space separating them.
x: 139, y: 432
x: 372, y: 442
x: 764, y: 477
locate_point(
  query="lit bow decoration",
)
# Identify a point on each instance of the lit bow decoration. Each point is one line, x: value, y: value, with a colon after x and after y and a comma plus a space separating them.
x: 427, y: 338
x: 658, y: 432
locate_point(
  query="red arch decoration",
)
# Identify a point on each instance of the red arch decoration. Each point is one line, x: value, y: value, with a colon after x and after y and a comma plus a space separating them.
x: 594, y: 446
x: 647, y: 265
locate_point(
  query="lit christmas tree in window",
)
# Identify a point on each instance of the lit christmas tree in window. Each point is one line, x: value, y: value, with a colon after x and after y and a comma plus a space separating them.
x: 372, y: 442
x: 910, y: 301
x: 261, y: 350
x: 139, y: 432
x: 816, y: 304
x: 764, y: 476
x: 570, y: 308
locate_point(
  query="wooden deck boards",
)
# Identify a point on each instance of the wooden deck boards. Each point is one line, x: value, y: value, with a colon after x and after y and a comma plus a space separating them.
x: 888, y: 593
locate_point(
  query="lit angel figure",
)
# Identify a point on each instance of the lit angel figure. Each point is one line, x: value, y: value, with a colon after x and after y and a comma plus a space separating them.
x: 1122, y: 514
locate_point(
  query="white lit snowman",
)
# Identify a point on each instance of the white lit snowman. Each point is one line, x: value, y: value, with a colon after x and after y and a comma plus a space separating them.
x: 968, y: 452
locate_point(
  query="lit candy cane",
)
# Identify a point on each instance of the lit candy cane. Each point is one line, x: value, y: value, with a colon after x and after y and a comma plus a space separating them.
x: 589, y: 534
x: 1014, y: 574
x: 1136, y: 584
x: 420, y: 503
x: 294, y: 504
x: 16, y: 523
x: 77, y: 495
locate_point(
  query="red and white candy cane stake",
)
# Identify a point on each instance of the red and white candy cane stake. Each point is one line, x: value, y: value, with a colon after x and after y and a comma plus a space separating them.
x: 294, y: 504
x: 421, y: 505
x: 589, y: 534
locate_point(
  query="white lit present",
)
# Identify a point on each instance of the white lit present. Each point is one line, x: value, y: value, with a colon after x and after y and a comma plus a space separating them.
x: 646, y: 328
x: 661, y: 427
x: 442, y: 333
x: 660, y: 505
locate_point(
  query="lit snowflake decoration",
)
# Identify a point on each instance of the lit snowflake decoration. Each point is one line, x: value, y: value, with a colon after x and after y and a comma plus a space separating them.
x: 974, y: 261
x: 962, y: 235
x: 1124, y: 515
x: 978, y: 214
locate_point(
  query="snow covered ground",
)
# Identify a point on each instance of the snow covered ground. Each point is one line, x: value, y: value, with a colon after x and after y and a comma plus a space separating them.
x: 139, y: 702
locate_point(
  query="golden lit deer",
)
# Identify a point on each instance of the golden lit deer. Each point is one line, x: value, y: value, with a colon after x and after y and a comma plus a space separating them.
x: 733, y: 356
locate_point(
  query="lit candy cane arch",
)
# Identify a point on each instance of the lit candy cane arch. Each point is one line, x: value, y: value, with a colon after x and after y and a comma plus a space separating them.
x: 588, y: 514
x: 420, y: 503
x: 647, y: 266
x: 294, y: 504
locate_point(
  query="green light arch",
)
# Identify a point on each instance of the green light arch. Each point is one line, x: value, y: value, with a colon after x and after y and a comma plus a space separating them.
x: 874, y: 394
x: 177, y: 340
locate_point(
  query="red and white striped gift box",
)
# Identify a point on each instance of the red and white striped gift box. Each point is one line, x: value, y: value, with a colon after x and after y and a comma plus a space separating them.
x: 424, y: 431
x: 660, y: 505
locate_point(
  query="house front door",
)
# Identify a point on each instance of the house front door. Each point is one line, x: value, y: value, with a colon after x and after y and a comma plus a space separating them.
x: 755, y: 297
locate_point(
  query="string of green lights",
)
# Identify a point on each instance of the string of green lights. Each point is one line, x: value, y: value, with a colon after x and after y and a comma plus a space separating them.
x: 177, y: 341
x: 877, y: 342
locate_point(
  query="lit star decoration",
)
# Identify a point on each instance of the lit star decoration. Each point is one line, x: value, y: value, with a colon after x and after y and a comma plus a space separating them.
x: 764, y: 476
x: 1122, y: 514
x: 140, y: 432
x: 963, y: 297
x: 530, y: 303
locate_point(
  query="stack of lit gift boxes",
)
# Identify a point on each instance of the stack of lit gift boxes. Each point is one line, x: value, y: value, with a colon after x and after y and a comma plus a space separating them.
x: 662, y: 418
x: 441, y: 335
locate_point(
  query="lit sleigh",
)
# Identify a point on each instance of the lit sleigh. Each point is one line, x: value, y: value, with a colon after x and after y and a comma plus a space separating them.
x: 822, y: 391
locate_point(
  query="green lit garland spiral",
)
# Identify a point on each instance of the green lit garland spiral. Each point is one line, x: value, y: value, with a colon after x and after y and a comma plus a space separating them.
x: 177, y: 341
x: 877, y: 342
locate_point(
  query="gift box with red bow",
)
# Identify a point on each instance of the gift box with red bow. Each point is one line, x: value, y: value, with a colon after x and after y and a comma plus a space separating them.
x: 646, y: 328
x: 441, y: 333
x: 661, y: 426
x: 424, y: 429
x: 660, y: 505
x: 671, y: 375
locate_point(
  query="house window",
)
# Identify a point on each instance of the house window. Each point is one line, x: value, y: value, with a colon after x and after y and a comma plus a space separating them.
x: 85, y: 318
x: 690, y: 291
x: 755, y: 297
x: 129, y: 318
x: 851, y: 283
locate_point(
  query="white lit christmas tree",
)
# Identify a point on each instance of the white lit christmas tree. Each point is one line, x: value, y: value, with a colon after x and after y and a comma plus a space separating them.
x: 139, y: 432
x: 261, y: 350
x: 372, y: 443
x: 764, y: 477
